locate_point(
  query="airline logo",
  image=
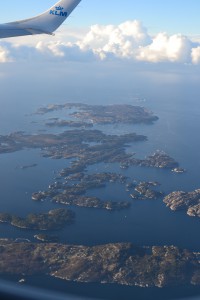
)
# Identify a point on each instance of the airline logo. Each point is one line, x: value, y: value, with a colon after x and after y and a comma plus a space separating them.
x: 58, y: 11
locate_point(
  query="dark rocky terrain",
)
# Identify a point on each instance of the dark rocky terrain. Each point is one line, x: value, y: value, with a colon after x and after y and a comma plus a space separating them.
x: 188, y: 201
x: 125, y: 264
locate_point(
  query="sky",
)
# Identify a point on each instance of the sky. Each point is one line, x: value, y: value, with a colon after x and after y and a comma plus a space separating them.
x: 172, y: 16
x: 138, y: 31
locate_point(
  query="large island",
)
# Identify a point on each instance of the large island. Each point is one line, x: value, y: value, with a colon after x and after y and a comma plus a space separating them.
x: 101, y: 114
x: 122, y: 263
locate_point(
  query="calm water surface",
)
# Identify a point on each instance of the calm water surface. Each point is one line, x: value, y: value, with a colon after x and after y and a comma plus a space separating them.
x: 147, y: 222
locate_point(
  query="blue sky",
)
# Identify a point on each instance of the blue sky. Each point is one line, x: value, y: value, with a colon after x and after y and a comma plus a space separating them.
x: 171, y: 16
x: 142, y: 31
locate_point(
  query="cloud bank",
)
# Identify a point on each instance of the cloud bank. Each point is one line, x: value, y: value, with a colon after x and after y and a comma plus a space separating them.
x: 127, y: 41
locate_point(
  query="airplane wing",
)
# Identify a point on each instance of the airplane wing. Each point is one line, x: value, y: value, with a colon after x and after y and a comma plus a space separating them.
x: 45, y: 23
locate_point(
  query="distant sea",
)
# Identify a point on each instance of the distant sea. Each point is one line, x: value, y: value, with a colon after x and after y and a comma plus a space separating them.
x: 175, y: 99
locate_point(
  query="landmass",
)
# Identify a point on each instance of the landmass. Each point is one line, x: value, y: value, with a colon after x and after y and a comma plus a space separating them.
x: 46, y: 238
x: 159, y: 159
x: 87, y: 147
x: 75, y: 187
x: 53, y: 220
x: 178, y: 170
x: 26, y: 166
x: 72, y: 191
x: 121, y: 263
x: 70, y: 144
x: 90, y: 202
x: 104, y: 114
x: 144, y: 190
x: 187, y: 201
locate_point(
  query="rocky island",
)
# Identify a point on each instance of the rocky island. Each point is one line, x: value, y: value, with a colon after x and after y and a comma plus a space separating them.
x: 144, y: 191
x: 121, y: 263
x: 159, y: 159
x: 26, y: 166
x: 188, y: 201
x: 90, y: 202
x: 73, y: 190
x: 104, y: 114
x: 46, y: 238
x: 86, y: 147
x: 53, y: 220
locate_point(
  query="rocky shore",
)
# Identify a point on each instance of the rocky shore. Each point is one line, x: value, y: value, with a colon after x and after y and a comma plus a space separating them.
x: 104, y: 114
x: 144, y: 190
x: 188, y: 201
x: 121, y: 263
x: 52, y: 220
x: 73, y: 191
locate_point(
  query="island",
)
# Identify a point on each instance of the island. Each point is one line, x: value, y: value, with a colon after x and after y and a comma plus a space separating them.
x: 103, y: 114
x: 26, y: 166
x: 90, y: 202
x: 178, y: 170
x: 86, y: 147
x: 187, y: 201
x: 144, y: 190
x: 72, y: 191
x: 46, y: 238
x: 160, y: 159
x: 120, y: 263
x: 53, y: 220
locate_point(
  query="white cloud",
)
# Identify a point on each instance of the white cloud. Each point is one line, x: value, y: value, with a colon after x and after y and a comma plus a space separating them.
x: 196, y: 55
x: 175, y: 48
x: 4, y: 54
x: 129, y: 40
x: 64, y: 51
x: 121, y: 41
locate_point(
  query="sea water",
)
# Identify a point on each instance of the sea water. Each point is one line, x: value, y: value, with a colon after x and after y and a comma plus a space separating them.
x: 175, y: 100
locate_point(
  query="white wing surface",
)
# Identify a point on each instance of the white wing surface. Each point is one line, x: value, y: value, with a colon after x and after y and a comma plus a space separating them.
x: 46, y: 23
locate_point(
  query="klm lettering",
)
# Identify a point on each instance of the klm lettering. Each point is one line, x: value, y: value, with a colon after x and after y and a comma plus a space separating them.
x: 58, y: 13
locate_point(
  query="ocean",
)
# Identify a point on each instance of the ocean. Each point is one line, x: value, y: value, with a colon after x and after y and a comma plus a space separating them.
x: 175, y: 98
